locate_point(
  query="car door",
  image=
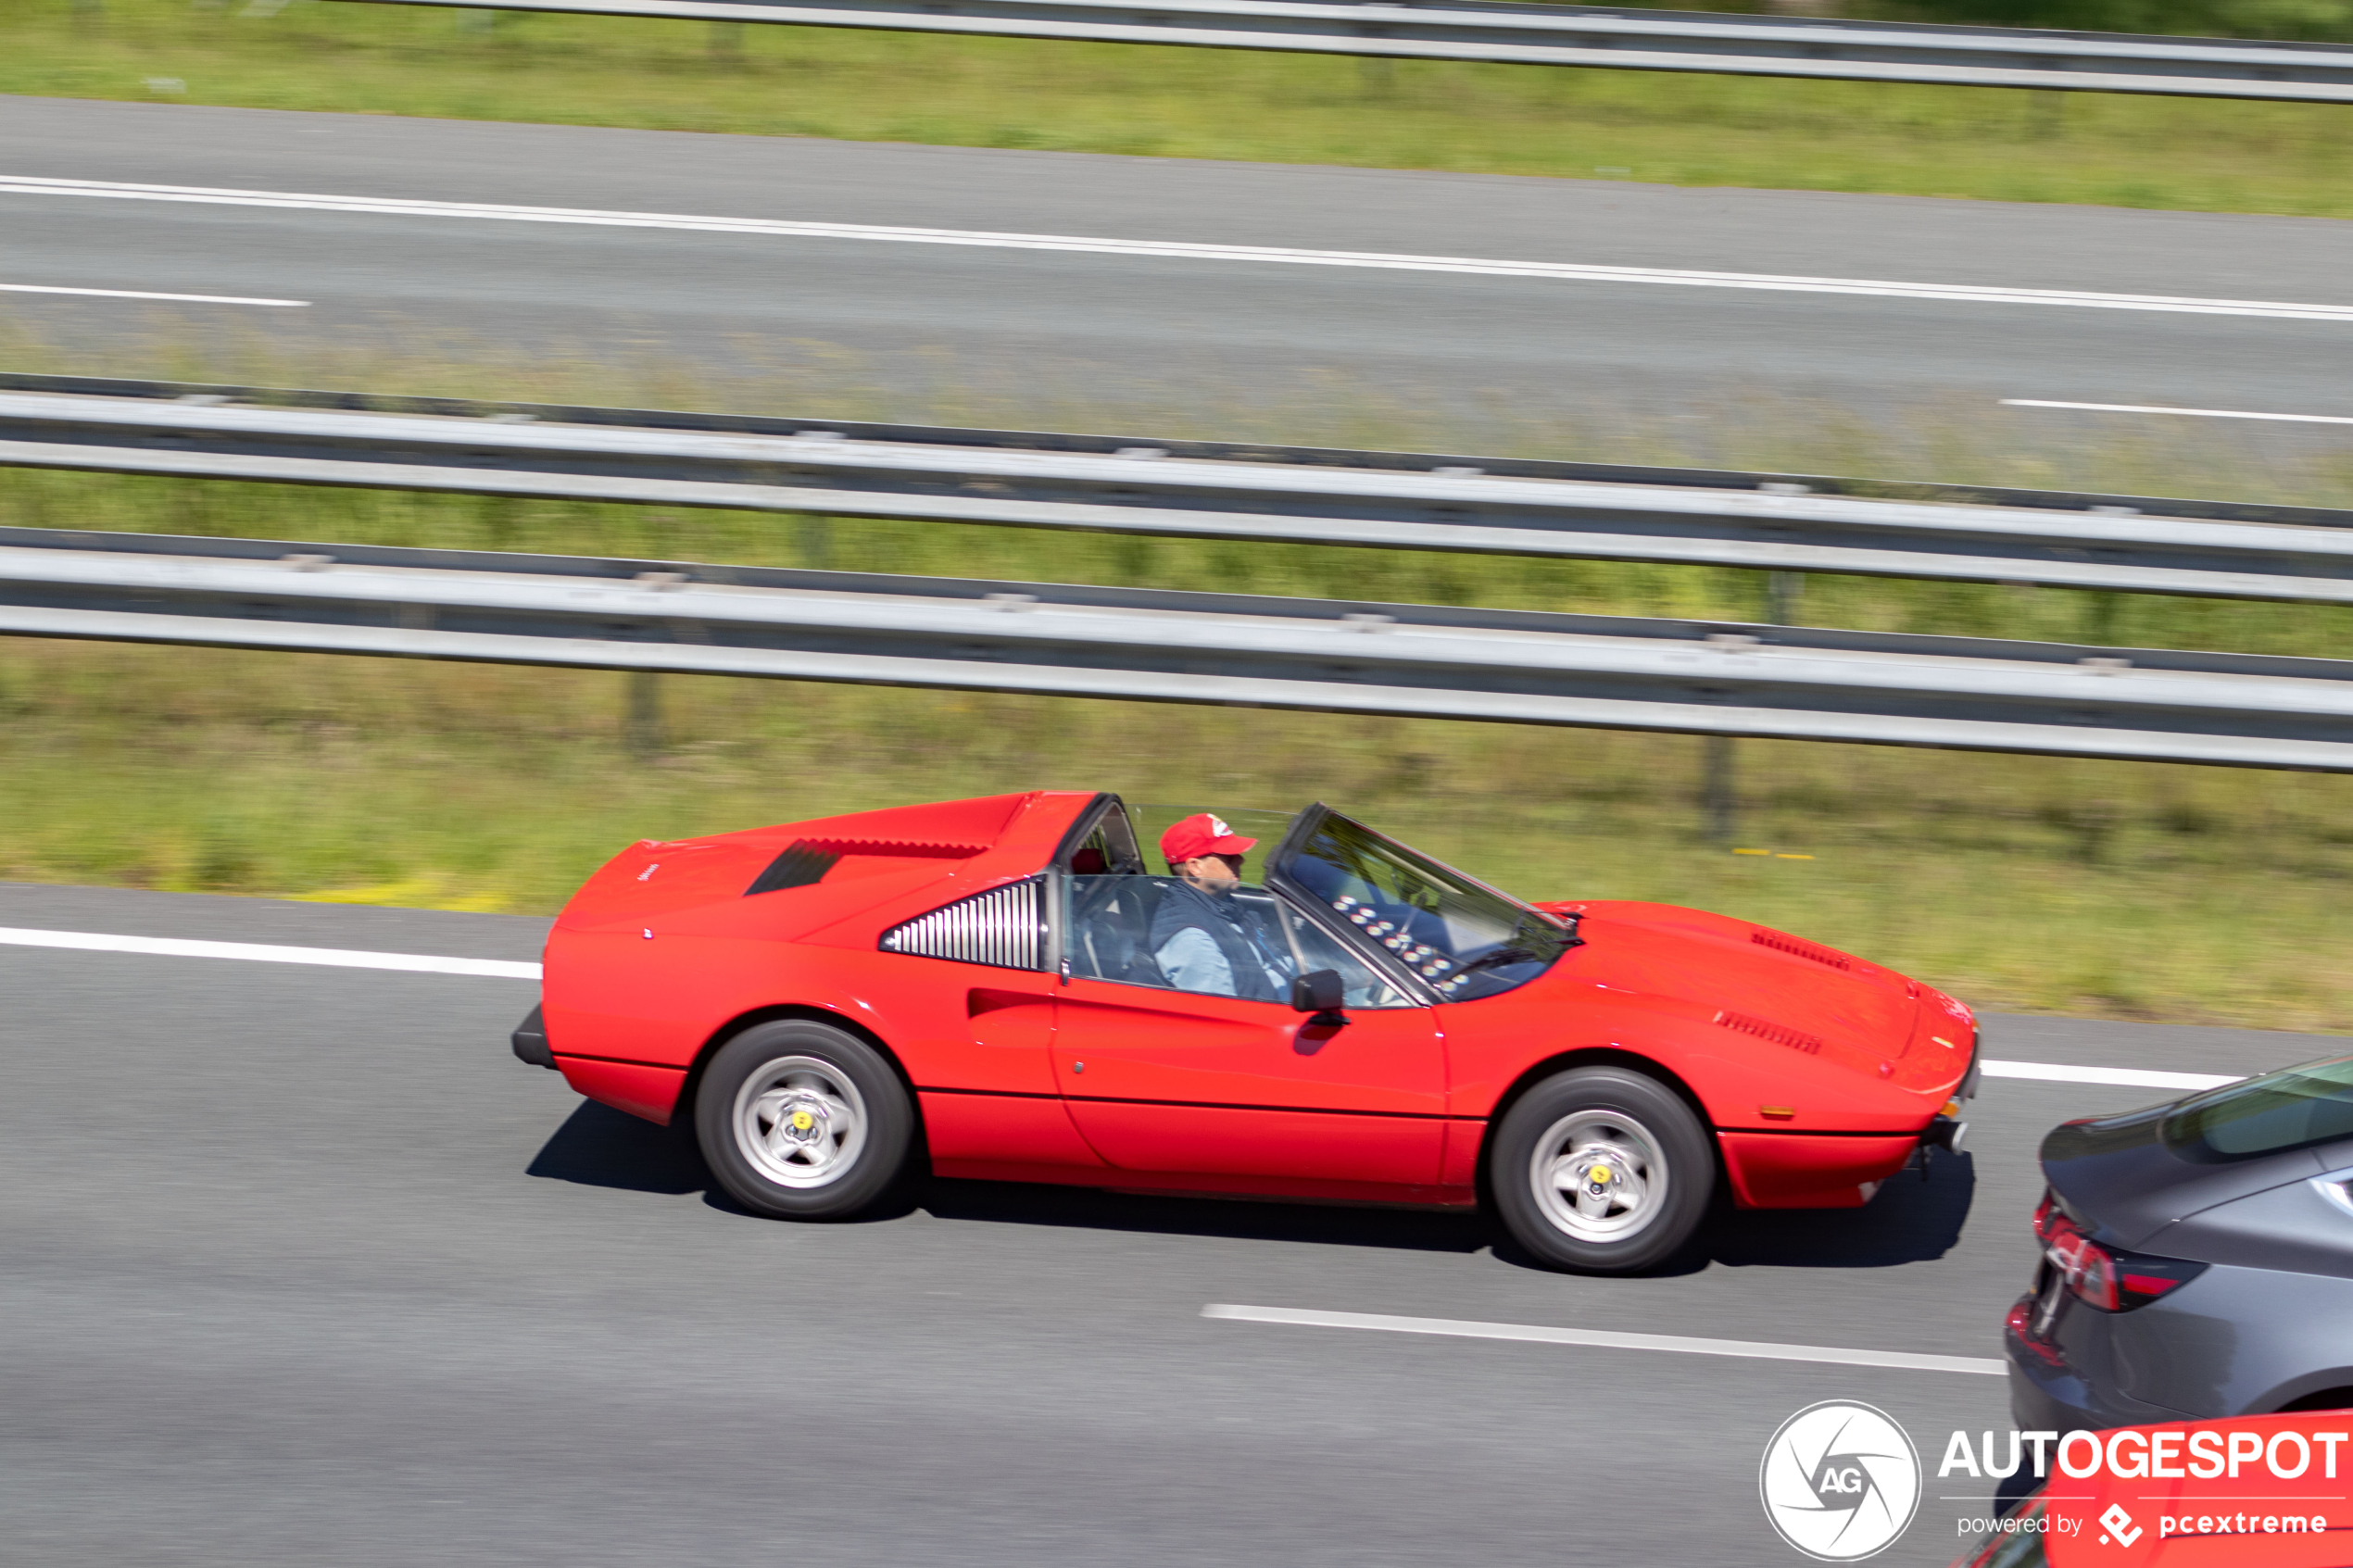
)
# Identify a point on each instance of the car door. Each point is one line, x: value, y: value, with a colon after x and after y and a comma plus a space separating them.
x: 1178, y: 1082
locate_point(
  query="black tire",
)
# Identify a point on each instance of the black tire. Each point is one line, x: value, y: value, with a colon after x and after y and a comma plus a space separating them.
x: 802, y: 1121
x: 1659, y: 1165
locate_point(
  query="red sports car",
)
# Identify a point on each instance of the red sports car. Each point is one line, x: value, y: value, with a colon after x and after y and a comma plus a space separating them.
x: 1005, y: 987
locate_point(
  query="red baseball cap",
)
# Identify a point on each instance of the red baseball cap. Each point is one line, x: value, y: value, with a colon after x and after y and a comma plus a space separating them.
x: 1202, y: 835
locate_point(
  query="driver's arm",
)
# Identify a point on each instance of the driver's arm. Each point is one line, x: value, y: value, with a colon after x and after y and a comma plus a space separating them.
x: 1192, y: 962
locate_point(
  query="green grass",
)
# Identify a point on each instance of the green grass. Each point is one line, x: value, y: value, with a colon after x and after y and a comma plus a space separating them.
x: 2125, y: 890
x: 2118, y: 890
x: 1991, y: 144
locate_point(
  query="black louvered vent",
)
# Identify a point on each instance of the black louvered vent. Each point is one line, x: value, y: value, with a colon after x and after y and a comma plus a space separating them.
x: 801, y: 865
x: 1003, y: 926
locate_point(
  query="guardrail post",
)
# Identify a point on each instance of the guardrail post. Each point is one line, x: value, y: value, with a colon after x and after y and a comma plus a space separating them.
x: 1723, y: 803
x: 1785, y: 596
x: 816, y: 541
x: 644, y: 729
x: 2102, y: 608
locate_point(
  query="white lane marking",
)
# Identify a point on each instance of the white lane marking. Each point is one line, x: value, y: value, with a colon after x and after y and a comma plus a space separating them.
x: 1611, y: 1340
x: 336, y: 958
x: 35, y: 185
x: 141, y: 294
x: 2192, y: 413
x: 2121, y: 1077
x: 345, y: 958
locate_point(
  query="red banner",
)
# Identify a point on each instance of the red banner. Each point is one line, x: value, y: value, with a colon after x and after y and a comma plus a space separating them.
x: 2252, y: 1492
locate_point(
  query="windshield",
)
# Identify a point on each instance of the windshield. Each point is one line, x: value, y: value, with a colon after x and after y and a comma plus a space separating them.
x: 2295, y: 1109
x: 1462, y: 936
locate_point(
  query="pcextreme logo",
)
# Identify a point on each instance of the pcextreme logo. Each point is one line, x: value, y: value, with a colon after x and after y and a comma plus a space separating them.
x: 1839, y: 1481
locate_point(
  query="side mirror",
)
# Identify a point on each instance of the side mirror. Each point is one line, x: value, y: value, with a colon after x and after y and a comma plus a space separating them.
x: 1321, y: 992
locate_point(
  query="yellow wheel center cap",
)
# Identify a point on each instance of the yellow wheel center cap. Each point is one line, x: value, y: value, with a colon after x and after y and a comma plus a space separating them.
x: 1598, y: 1174
x: 802, y: 1121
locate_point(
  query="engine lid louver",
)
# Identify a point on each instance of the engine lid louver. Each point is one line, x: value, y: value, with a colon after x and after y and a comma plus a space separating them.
x: 1803, y: 949
x: 1003, y: 927
x: 1795, y: 1039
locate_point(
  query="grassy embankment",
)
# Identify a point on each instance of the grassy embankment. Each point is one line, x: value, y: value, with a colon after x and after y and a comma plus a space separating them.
x: 1994, y: 144
x: 2176, y: 894
x: 2126, y: 890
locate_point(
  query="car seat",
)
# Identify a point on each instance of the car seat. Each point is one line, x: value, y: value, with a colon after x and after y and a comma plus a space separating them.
x: 1111, y: 929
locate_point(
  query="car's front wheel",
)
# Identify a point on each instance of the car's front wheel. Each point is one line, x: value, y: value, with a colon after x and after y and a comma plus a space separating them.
x: 802, y: 1121
x: 1602, y: 1170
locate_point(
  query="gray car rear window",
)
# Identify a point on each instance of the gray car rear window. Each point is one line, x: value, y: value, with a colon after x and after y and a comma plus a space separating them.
x: 2293, y: 1109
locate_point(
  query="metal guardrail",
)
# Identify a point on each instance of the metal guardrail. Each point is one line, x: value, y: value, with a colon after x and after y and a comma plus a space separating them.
x: 1185, y: 489
x: 1579, y: 35
x: 1401, y: 660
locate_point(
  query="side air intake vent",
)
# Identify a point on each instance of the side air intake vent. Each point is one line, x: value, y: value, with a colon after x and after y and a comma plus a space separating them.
x: 1002, y: 926
x: 1803, y: 949
x: 1810, y: 1044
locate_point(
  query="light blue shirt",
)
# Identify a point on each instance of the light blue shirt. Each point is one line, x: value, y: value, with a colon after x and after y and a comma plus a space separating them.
x: 1192, y: 961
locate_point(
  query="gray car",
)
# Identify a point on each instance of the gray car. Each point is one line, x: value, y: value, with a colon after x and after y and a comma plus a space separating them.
x: 2197, y: 1259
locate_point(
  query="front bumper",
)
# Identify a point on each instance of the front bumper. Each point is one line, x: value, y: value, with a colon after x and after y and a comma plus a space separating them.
x: 1946, y: 1129
x: 530, y: 1042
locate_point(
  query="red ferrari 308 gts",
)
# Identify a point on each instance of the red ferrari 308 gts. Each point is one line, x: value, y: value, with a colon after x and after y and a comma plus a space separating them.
x: 1005, y: 987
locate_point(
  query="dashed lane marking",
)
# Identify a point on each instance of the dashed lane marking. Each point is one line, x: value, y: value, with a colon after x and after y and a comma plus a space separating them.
x: 2123, y: 1077
x: 1181, y: 250
x: 1611, y: 1340
x: 2190, y: 413
x: 259, y: 952
x: 142, y: 293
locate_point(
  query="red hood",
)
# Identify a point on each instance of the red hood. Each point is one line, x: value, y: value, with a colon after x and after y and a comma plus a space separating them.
x: 1761, y: 979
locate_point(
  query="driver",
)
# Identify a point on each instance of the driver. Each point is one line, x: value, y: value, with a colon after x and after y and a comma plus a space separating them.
x: 1202, y: 937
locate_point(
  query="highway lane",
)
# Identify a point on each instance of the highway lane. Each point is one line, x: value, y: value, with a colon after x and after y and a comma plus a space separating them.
x: 301, y: 1266
x: 1115, y: 331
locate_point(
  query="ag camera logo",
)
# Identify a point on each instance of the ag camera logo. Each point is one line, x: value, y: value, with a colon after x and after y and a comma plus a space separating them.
x: 1839, y: 1481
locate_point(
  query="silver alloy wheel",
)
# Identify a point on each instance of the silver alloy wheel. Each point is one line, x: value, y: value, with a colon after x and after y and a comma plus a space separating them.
x: 1598, y: 1175
x: 800, y: 1122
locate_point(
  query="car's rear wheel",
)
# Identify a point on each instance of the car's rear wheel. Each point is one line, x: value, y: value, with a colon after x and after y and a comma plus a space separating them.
x: 1601, y: 1170
x: 802, y: 1120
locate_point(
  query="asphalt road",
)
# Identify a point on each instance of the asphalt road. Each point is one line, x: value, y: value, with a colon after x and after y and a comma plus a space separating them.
x: 928, y: 324
x: 298, y: 1266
